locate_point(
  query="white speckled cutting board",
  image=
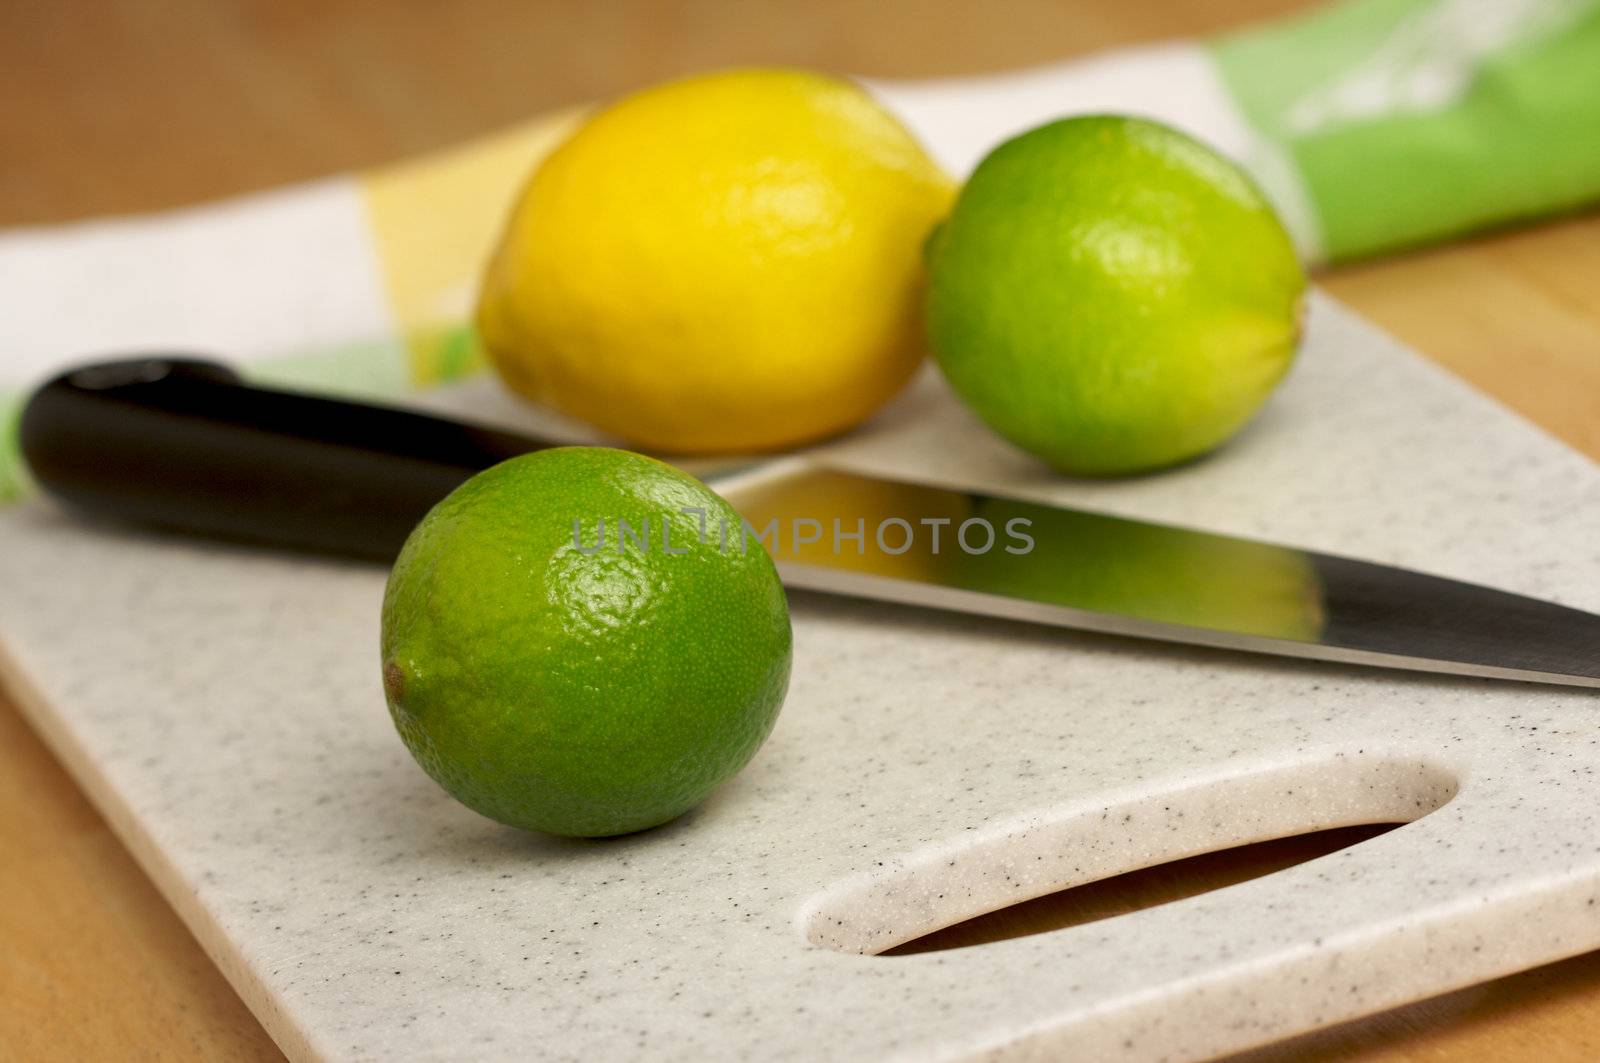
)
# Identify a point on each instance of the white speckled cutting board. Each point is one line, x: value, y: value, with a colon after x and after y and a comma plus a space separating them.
x: 223, y: 707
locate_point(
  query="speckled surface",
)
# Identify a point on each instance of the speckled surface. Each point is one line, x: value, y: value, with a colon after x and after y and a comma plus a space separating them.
x: 224, y: 707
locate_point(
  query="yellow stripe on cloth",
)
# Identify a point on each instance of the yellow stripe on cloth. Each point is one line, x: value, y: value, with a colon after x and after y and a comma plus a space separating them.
x: 434, y: 222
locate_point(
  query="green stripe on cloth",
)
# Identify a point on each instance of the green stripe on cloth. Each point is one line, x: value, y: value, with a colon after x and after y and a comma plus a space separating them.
x: 1416, y: 120
x: 364, y: 368
x: 14, y: 481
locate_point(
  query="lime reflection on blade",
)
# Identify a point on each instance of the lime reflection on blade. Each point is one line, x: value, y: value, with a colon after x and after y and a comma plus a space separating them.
x: 1035, y: 552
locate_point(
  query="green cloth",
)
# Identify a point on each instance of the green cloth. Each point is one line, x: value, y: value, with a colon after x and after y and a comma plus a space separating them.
x: 1416, y: 120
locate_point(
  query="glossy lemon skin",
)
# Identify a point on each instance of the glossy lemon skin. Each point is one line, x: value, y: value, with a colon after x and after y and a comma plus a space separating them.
x: 730, y: 262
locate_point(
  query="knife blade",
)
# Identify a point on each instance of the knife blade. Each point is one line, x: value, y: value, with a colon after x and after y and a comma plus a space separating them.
x: 187, y: 444
x: 1096, y: 572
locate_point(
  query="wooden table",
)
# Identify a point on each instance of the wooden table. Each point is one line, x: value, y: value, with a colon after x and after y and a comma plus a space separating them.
x: 132, y: 105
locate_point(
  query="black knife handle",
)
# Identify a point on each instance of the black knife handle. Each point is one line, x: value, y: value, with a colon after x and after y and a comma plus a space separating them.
x: 186, y: 444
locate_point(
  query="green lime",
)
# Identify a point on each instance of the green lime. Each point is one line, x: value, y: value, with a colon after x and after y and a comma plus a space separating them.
x: 572, y: 645
x: 1112, y: 295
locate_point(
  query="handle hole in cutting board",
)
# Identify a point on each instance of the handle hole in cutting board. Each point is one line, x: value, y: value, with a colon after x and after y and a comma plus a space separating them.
x: 1134, y: 891
x: 1302, y: 806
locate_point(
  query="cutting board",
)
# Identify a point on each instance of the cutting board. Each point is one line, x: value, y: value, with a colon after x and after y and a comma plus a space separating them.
x: 222, y: 705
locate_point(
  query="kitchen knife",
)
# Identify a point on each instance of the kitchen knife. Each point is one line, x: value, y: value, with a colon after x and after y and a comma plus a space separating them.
x: 187, y: 444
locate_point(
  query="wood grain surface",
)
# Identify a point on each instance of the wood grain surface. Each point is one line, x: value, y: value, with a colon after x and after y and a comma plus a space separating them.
x: 124, y: 105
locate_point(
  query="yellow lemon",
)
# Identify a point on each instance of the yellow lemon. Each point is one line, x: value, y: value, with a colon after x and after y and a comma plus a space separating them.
x: 729, y: 262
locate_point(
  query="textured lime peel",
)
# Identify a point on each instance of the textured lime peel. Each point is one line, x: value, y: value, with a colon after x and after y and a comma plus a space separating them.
x: 559, y: 682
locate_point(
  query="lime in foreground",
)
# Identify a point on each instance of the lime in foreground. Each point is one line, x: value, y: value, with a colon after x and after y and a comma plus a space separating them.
x: 569, y: 647
x: 1112, y: 296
